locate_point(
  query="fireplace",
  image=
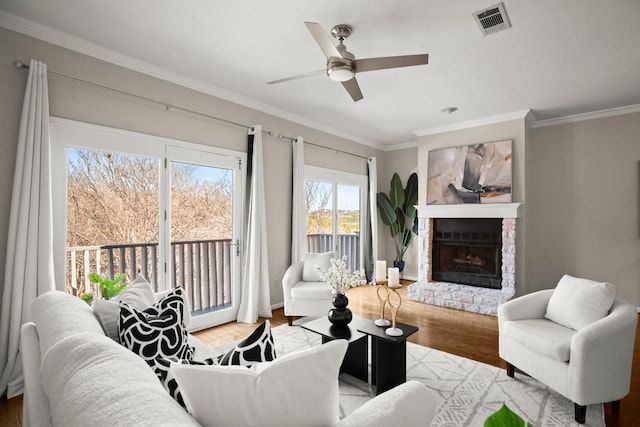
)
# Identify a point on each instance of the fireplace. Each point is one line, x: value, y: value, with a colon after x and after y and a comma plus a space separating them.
x: 486, y: 256
x: 468, y: 251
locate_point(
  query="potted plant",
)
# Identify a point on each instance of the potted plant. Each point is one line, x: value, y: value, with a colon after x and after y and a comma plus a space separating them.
x: 398, y: 211
x: 106, y: 288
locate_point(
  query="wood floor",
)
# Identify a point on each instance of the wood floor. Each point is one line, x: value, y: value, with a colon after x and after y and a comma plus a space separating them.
x: 465, y: 334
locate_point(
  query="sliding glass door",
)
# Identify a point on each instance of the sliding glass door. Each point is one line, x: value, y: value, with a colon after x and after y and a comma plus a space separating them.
x: 137, y: 204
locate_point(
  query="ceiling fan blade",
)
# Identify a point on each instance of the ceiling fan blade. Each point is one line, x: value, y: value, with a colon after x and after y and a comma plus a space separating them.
x: 299, y: 76
x: 353, y: 88
x: 322, y: 39
x: 372, y: 64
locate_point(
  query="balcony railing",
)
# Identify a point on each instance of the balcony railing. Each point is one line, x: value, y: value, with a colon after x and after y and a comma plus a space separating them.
x: 201, y: 267
x: 348, y: 244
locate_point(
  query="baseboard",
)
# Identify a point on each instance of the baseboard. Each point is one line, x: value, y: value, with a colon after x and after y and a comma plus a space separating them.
x: 277, y: 305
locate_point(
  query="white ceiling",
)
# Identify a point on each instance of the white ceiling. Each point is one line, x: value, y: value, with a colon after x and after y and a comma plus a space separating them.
x: 561, y: 57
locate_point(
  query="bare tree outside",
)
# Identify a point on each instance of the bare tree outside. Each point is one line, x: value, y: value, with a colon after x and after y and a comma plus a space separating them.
x: 317, y: 196
x: 113, y: 199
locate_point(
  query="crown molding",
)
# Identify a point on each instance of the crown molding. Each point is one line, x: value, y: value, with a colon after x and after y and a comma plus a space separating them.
x: 33, y: 29
x: 610, y: 112
x: 516, y: 115
x: 401, y: 146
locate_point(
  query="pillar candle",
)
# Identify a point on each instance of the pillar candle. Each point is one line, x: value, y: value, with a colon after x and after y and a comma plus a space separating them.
x: 381, y: 270
x: 394, y: 277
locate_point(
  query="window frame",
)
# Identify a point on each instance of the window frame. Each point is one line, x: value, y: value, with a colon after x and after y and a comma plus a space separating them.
x: 335, y: 178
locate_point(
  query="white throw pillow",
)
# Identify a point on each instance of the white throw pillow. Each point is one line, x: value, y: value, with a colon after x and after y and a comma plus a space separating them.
x: 577, y: 302
x: 322, y: 260
x: 297, y: 389
x: 138, y: 294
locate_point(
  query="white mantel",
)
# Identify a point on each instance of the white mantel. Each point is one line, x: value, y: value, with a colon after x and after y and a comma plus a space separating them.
x: 470, y: 210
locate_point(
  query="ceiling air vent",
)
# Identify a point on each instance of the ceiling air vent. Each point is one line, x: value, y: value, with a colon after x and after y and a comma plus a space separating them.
x: 492, y: 19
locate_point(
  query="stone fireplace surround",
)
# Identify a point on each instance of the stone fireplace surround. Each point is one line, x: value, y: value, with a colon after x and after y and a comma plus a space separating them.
x: 464, y: 297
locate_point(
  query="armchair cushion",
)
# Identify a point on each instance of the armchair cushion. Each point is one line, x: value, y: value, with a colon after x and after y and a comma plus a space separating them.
x: 543, y: 336
x: 577, y: 302
x: 312, y: 290
x: 322, y: 260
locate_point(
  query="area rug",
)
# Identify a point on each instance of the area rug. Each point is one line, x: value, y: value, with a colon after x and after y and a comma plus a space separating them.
x: 467, y: 392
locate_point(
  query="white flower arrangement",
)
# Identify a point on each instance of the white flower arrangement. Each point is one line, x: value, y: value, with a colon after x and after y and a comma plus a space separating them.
x: 339, y: 277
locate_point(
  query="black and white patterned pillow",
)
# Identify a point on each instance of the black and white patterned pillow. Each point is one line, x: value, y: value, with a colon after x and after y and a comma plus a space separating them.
x: 257, y: 347
x: 157, y: 331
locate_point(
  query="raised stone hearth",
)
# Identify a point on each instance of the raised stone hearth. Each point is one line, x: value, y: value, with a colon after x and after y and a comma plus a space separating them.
x: 465, y: 297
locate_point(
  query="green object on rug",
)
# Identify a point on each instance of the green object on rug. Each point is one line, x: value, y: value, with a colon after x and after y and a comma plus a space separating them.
x: 505, y: 417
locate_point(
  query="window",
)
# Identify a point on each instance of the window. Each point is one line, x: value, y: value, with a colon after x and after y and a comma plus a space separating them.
x: 131, y: 203
x: 334, y: 202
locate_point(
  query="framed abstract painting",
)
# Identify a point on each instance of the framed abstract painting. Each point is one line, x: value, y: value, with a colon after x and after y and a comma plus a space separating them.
x: 476, y: 173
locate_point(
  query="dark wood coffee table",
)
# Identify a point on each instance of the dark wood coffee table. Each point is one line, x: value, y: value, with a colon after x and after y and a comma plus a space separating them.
x: 388, y: 355
x: 355, y: 362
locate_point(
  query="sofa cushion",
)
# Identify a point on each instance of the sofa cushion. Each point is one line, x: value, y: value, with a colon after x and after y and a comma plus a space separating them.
x: 157, y: 331
x: 137, y: 294
x: 542, y: 336
x: 312, y: 290
x: 322, y: 260
x: 92, y: 381
x: 297, y: 389
x: 577, y: 302
x: 58, y: 315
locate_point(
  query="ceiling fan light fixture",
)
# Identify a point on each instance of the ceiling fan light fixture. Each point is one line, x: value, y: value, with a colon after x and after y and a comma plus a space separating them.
x: 340, y: 73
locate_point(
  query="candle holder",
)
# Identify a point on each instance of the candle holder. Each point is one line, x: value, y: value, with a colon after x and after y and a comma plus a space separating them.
x: 381, y: 286
x: 393, y: 294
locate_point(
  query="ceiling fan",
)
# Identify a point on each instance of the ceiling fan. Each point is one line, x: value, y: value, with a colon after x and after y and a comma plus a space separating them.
x: 342, y: 65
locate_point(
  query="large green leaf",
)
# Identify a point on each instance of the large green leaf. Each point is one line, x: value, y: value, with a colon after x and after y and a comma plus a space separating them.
x: 387, y: 212
x: 396, y: 193
x: 505, y: 417
x: 411, y: 196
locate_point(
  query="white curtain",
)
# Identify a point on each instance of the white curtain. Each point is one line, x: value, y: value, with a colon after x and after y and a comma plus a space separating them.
x: 29, y: 264
x: 298, y: 207
x: 371, y: 220
x: 255, y: 298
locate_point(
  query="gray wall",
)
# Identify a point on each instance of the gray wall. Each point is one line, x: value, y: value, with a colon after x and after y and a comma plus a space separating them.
x: 404, y: 163
x: 583, y: 200
x: 92, y: 105
x: 580, y: 186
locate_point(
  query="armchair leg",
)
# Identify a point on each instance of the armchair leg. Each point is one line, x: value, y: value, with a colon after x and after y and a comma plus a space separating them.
x: 510, y: 370
x: 290, y: 320
x: 581, y: 413
x: 615, y: 406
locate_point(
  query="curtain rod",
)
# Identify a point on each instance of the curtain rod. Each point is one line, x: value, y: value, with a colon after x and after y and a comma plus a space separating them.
x: 22, y: 66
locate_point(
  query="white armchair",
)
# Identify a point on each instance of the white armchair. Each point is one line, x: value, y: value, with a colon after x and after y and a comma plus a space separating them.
x: 589, y: 363
x: 305, y: 294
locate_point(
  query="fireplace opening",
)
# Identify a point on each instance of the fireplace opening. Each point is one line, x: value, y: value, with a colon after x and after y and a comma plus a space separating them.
x: 468, y: 251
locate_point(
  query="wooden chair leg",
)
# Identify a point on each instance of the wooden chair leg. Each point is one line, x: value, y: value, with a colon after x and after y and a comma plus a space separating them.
x: 510, y: 370
x: 581, y: 413
x: 290, y: 320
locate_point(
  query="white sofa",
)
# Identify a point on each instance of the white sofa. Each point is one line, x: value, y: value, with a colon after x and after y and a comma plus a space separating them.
x: 76, y: 376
